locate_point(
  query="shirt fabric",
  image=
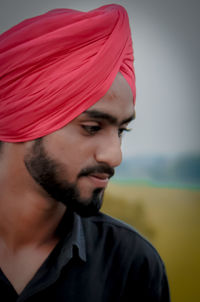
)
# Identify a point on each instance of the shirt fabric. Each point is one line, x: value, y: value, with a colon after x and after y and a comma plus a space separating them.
x: 98, y: 259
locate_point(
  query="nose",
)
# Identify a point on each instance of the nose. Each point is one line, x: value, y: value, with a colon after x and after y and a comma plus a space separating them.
x: 109, y: 151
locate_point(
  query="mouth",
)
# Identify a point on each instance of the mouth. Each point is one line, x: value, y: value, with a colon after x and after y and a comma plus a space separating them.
x: 97, y: 176
x: 99, y: 180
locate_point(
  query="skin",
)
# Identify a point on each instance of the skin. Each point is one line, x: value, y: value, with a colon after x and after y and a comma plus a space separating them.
x: 82, y: 155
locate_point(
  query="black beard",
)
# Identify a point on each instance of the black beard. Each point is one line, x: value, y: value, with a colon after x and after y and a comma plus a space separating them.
x: 44, y: 171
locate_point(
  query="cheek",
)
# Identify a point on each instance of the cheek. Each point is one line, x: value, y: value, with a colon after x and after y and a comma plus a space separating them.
x: 70, y: 152
x: 61, y: 146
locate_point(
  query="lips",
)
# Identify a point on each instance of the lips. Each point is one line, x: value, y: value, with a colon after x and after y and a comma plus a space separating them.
x: 102, y: 176
x: 99, y: 180
x: 97, y: 176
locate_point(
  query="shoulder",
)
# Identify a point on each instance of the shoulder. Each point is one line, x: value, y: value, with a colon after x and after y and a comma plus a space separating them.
x: 116, y: 244
x: 117, y: 234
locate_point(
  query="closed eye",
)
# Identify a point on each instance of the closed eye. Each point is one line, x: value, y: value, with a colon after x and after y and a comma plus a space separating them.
x: 91, y: 129
x: 122, y: 130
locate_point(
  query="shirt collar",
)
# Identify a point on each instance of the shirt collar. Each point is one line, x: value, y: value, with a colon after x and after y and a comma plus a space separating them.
x: 76, y: 238
x: 71, y: 245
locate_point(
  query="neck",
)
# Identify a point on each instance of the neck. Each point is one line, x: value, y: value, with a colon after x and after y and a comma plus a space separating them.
x: 28, y: 220
x: 27, y: 216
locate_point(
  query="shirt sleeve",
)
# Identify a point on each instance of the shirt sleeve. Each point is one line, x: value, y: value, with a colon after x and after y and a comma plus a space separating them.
x: 147, y: 283
x: 164, y: 295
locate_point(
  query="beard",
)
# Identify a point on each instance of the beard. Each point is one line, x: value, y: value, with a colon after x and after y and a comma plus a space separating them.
x: 45, y: 170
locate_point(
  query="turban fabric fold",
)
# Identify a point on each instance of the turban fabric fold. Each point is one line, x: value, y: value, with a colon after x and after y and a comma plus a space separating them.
x: 56, y: 65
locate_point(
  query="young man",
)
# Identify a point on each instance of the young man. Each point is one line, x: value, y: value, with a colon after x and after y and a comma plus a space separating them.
x: 67, y: 95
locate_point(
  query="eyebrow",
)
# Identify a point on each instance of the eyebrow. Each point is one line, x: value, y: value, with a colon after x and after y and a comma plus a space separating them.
x: 96, y: 114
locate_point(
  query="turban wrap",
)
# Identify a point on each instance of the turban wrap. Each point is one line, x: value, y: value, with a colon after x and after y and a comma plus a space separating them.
x: 56, y: 65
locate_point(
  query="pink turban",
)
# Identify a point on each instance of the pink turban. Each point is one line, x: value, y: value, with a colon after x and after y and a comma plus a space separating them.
x: 55, y: 66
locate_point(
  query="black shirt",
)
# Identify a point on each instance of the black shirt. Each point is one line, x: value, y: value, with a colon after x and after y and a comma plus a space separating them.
x: 98, y: 259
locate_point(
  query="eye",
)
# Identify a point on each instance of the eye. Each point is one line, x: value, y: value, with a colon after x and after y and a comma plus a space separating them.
x: 91, y: 129
x: 122, y: 130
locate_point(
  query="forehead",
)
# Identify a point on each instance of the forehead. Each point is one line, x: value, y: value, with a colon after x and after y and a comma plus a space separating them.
x: 118, y: 100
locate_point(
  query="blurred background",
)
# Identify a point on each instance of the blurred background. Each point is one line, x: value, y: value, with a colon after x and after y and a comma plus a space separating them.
x: 157, y: 187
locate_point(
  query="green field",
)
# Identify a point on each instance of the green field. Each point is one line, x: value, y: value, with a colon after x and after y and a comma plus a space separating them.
x: 170, y: 219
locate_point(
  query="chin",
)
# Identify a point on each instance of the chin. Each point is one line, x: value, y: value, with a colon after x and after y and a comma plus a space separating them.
x: 86, y: 207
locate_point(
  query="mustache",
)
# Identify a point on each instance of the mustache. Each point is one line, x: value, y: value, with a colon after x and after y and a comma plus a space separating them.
x: 103, y: 168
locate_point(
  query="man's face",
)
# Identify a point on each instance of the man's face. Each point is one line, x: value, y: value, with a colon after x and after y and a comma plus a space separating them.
x: 73, y: 165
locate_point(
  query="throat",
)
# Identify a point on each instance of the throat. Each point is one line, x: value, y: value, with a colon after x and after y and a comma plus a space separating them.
x: 21, y: 266
x: 32, y: 224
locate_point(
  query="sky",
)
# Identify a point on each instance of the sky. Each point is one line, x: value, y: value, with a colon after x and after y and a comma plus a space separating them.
x: 166, y: 48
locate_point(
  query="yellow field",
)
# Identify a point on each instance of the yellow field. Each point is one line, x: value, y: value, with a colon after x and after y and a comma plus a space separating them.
x: 170, y: 219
